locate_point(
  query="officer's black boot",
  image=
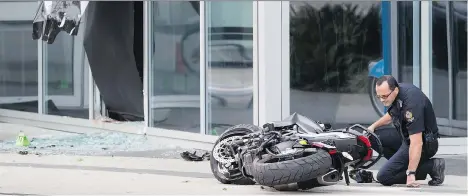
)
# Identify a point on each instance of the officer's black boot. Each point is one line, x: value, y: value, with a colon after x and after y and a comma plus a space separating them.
x: 438, y: 172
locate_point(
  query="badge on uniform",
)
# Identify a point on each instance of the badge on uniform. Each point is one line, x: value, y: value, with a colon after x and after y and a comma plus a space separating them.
x: 409, y: 116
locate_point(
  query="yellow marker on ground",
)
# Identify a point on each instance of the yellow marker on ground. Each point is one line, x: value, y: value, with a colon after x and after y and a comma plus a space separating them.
x: 22, y: 140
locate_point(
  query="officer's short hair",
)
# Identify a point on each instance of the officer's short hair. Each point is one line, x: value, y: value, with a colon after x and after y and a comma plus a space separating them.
x: 392, y: 82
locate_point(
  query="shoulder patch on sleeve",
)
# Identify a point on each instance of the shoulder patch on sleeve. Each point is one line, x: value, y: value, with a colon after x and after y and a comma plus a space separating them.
x: 409, y: 116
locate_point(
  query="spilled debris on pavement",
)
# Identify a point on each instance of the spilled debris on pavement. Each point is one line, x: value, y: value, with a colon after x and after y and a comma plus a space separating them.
x: 103, y: 143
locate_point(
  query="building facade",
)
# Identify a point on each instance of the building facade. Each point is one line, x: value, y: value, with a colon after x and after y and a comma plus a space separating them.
x: 205, y: 66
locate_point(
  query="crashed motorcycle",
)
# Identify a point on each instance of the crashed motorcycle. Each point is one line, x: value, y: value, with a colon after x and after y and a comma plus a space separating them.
x: 295, y: 152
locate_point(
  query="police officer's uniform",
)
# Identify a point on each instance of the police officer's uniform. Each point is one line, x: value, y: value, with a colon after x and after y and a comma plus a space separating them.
x: 411, y: 113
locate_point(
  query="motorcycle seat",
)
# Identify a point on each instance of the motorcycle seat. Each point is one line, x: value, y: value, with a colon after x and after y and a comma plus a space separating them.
x: 283, y: 123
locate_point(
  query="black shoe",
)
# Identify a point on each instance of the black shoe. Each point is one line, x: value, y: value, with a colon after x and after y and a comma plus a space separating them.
x: 438, y: 172
x: 362, y: 176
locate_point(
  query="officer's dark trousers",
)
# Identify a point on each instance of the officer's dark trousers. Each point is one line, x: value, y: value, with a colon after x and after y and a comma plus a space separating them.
x: 397, y: 154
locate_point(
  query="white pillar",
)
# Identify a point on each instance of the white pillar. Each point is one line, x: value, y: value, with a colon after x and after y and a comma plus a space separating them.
x: 203, y: 65
x: 147, y: 36
x: 426, y: 47
x: 285, y: 59
x: 268, y: 55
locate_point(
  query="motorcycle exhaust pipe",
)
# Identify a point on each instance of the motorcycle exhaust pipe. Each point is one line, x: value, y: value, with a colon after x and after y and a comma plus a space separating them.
x: 330, y: 178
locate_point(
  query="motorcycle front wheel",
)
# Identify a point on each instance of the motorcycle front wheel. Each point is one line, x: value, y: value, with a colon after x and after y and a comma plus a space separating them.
x: 216, y: 167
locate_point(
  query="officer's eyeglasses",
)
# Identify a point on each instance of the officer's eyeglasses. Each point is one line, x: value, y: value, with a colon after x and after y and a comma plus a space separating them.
x: 384, y: 96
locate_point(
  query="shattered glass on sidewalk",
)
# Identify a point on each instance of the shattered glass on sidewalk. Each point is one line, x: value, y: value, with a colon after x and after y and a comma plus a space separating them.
x: 103, y: 143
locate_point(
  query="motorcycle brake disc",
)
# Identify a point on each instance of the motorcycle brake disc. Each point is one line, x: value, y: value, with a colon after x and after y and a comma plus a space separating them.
x: 221, y: 151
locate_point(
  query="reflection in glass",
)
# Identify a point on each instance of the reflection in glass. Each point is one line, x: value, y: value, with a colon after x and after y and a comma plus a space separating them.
x: 18, y: 67
x: 332, y: 45
x: 65, y: 87
x: 229, y: 73
x: 459, y: 58
x: 406, y: 66
x: 440, y: 76
x: 174, y: 71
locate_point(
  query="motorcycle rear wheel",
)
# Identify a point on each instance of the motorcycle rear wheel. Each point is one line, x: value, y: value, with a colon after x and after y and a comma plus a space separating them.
x: 269, y: 173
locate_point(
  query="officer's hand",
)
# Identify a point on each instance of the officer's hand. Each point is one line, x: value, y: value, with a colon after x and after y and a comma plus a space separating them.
x: 411, y: 181
x: 371, y: 129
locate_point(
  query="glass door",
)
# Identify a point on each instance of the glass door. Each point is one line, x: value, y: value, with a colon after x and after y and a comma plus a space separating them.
x: 64, y: 74
x: 458, y: 21
x: 448, y: 74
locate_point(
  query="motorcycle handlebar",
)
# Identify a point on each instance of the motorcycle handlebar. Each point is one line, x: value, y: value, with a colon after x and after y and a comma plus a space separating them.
x: 378, y: 148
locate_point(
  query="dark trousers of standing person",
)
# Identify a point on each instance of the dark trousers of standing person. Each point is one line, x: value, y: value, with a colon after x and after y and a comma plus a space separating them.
x: 397, y: 154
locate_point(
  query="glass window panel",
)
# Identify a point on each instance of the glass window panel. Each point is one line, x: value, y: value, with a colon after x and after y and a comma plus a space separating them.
x: 229, y: 73
x: 175, y: 67
x: 332, y: 46
x: 406, y: 66
x: 18, y: 65
x: 440, y: 76
x: 459, y: 59
x: 64, y: 79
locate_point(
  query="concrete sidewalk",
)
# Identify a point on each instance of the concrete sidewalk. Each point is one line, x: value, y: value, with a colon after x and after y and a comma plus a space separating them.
x: 453, y: 146
x: 59, y: 174
x: 134, y: 172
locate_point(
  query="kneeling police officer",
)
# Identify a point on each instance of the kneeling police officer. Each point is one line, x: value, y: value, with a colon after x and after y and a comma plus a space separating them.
x: 411, y: 147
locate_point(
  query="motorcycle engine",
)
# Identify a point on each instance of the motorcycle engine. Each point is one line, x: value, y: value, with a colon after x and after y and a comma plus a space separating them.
x: 284, y: 148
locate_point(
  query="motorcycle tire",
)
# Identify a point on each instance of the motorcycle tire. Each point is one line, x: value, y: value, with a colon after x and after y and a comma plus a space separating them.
x: 238, y: 130
x: 375, y: 102
x: 292, y: 171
